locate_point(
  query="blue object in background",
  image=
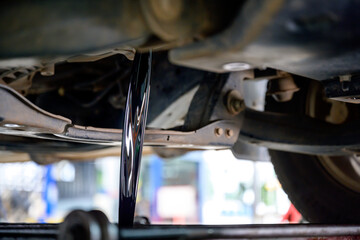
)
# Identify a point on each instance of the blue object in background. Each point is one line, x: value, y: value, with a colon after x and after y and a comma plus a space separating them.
x: 50, y: 194
x: 155, y: 182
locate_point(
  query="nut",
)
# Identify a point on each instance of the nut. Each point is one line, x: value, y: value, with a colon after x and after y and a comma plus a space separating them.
x: 234, y: 103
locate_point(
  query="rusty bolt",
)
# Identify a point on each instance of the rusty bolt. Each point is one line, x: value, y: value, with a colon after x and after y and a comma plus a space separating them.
x: 229, y: 133
x: 234, y: 102
x: 237, y: 104
x: 218, y: 132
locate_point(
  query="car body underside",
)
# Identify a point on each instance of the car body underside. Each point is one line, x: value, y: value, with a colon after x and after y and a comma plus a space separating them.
x: 73, y: 60
x: 243, y: 75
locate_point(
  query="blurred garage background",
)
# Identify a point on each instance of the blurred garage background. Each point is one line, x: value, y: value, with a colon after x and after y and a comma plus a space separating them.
x: 199, y: 187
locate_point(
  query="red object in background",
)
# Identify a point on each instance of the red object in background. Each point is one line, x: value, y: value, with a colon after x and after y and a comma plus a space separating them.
x: 292, y: 215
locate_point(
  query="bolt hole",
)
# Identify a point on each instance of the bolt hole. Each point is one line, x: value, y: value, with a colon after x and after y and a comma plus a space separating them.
x: 229, y: 133
x: 218, y: 132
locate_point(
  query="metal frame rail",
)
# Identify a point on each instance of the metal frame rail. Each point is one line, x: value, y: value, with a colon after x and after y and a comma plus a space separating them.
x: 260, y: 231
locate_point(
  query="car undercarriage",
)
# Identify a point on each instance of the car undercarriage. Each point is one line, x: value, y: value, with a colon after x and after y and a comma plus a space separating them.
x: 275, y: 76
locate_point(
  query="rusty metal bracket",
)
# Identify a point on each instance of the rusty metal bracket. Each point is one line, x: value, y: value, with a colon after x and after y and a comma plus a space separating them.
x: 19, y: 117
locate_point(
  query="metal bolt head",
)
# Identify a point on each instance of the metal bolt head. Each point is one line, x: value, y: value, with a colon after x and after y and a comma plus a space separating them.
x: 229, y: 133
x: 234, y: 103
x: 237, y: 105
x: 218, y: 132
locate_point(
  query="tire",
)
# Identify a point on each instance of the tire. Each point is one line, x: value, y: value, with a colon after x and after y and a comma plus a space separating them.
x: 314, y: 191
